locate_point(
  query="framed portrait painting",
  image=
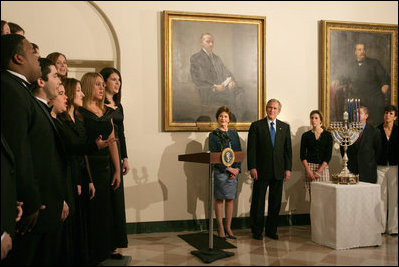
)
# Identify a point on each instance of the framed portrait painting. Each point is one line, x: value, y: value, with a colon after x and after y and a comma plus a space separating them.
x: 358, y: 61
x: 212, y: 60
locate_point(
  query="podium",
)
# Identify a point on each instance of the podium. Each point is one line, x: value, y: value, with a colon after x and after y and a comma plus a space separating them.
x: 210, y: 158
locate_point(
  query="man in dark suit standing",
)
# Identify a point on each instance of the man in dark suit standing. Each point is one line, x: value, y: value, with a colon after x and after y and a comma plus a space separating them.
x: 269, y: 162
x: 40, y: 179
x: 364, y: 153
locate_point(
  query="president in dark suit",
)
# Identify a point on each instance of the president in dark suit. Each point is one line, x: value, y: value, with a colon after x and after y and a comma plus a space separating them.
x: 269, y: 162
x: 40, y: 168
x: 364, y: 153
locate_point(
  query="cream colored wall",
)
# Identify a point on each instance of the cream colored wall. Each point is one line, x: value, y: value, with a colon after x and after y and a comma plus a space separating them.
x: 160, y: 188
x: 70, y: 27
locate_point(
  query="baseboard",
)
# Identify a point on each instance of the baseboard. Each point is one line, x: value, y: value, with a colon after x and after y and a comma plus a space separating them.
x: 202, y: 224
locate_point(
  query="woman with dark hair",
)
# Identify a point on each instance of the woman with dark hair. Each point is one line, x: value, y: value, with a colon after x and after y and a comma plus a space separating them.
x: 60, y: 62
x: 15, y: 28
x: 83, y: 187
x: 113, y: 86
x: 387, y: 171
x: 316, y: 150
x: 80, y: 184
x: 5, y: 28
x: 226, y: 178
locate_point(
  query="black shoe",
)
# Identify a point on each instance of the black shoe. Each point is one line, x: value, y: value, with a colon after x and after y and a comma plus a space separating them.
x: 257, y: 236
x: 221, y: 237
x: 231, y: 236
x: 272, y: 236
x: 394, y: 234
x: 116, y: 256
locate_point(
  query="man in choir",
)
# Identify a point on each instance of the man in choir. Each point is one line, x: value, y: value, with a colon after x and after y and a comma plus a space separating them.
x: 31, y: 135
x: 44, y: 90
x: 8, y: 197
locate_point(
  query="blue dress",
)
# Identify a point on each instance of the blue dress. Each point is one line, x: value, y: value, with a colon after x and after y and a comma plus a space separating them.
x: 224, y: 187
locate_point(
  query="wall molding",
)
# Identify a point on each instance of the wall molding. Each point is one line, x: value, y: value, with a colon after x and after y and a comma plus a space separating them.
x: 113, y: 33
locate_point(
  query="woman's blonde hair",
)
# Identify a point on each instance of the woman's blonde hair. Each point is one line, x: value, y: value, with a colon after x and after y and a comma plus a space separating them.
x: 88, y: 82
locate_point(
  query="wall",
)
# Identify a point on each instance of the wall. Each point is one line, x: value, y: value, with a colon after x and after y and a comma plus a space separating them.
x: 158, y: 187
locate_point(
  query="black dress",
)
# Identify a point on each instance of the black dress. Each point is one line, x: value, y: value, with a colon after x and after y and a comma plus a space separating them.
x: 75, y: 230
x: 118, y: 195
x: 100, y: 215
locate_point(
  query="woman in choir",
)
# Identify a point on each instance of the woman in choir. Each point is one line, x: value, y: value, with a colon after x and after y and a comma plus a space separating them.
x: 5, y: 28
x: 113, y: 87
x: 316, y: 150
x: 75, y: 143
x: 98, y: 121
x: 226, y: 178
x: 60, y: 63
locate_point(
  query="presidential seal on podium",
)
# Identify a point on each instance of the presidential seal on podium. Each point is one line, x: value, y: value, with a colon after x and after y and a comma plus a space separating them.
x: 228, y: 157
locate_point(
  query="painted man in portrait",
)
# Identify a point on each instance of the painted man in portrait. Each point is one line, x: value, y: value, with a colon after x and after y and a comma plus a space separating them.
x: 215, y: 83
x: 365, y: 78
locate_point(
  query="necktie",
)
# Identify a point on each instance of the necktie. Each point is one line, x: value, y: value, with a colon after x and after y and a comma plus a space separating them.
x: 272, y: 132
x: 217, y: 68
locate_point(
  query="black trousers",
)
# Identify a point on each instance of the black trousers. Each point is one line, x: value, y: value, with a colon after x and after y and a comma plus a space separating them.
x: 258, y: 205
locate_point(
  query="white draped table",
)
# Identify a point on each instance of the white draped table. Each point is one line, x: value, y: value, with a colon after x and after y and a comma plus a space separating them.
x: 345, y: 216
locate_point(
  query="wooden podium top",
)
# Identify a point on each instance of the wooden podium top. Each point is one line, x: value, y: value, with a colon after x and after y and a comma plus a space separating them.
x: 209, y: 157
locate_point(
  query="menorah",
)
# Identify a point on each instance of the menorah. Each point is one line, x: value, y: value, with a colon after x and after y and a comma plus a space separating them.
x: 345, y: 134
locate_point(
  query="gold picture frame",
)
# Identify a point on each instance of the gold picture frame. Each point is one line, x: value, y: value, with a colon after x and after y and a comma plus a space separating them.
x: 342, y: 77
x: 197, y: 82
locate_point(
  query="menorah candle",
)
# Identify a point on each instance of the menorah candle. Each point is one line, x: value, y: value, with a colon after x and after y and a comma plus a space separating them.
x: 356, y: 107
x: 351, y: 110
x: 355, y: 111
x: 345, y: 116
x: 359, y: 110
x: 347, y: 108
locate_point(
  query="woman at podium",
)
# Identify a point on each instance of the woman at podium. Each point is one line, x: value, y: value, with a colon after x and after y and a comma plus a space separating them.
x: 225, y: 178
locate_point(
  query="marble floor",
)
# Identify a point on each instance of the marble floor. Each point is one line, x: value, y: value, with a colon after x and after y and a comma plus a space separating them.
x: 294, y: 248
